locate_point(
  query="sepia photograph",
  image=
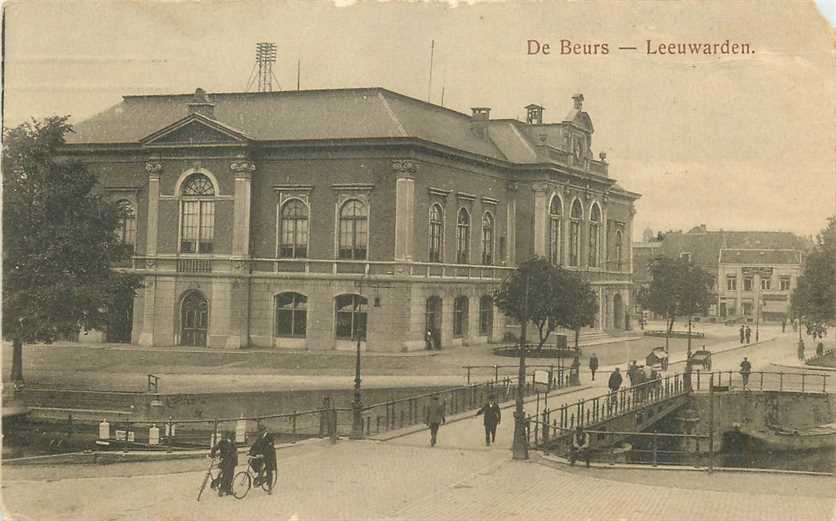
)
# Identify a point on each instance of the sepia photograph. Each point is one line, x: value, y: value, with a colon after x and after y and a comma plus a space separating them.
x: 315, y: 260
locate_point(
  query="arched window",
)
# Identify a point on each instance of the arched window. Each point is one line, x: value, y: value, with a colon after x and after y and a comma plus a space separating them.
x: 594, y: 236
x: 126, y: 227
x: 463, y: 237
x: 436, y: 232
x: 487, y: 238
x: 354, y: 230
x: 351, y: 317
x: 294, y: 230
x: 485, y: 315
x: 555, y: 214
x: 619, y: 251
x: 291, y: 315
x: 575, y: 234
x: 197, y: 215
x: 460, y: 316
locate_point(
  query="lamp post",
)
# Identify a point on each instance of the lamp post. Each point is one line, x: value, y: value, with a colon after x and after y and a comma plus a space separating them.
x: 520, y: 446
x: 357, y: 402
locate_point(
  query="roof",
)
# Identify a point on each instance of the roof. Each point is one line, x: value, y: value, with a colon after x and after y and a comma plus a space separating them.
x: 705, y: 245
x: 741, y: 256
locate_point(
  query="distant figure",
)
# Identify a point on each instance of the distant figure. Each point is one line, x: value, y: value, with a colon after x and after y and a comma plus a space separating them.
x: 745, y: 370
x: 265, y: 465
x: 435, y: 417
x: 632, y: 369
x: 493, y: 415
x: 429, y: 340
x: 614, y: 384
x: 795, y: 325
x: 748, y: 335
x: 820, y: 349
x: 784, y: 325
x: 580, y: 446
x: 576, y: 371
x: 742, y: 334
x: 228, y: 454
x: 593, y: 365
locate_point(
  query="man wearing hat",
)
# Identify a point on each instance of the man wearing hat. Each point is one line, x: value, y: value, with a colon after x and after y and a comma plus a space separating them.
x: 228, y: 454
x: 263, y: 449
x: 493, y: 415
x: 435, y: 417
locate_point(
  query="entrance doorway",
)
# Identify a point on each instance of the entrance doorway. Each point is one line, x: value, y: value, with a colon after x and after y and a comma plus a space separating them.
x: 194, y: 319
x: 120, y: 318
x: 618, y: 311
x: 433, y: 323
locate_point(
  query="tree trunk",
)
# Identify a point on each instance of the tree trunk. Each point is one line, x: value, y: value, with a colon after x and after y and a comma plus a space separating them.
x: 17, y: 361
x: 577, y: 340
x: 689, y: 333
x: 668, y: 336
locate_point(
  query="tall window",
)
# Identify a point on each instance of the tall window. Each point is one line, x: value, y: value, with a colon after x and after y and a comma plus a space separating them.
x: 462, y: 237
x: 294, y: 230
x: 575, y: 234
x: 747, y: 284
x: 785, y: 283
x: 487, y: 238
x: 197, y: 215
x: 766, y: 283
x: 291, y: 315
x: 485, y: 315
x: 619, y: 250
x: 351, y: 317
x: 436, y: 232
x: 354, y: 230
x: 460, y: 317
x: 594, y: 236
x: 126, y: 228
x: 555, y: 214
x: 731, y: 283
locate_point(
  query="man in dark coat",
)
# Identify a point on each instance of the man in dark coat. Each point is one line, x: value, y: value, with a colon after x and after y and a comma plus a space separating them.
x: 492, y: 417
x: 435, y: 417
x: 748, y: 335
x: 228, y: 454
x: 745, y: 370
x: 742, y: 334
x: 593, y: 365
x: 264, y: 450
x: 614, y: 384
x: 580, y: 446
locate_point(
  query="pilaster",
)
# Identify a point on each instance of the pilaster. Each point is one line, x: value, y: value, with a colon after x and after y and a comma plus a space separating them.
x: 540, y: 216
x: 243, y: 169
x: 511, y: 225
x: 154, y: 169
x: 404, y: 209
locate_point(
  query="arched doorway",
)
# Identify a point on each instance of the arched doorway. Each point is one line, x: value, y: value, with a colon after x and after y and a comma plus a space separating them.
x: 618, y: 311
x: 433, y: 323
x: 194, y: 319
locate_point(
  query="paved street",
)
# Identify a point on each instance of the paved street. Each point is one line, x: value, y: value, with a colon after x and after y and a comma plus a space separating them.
x: 405, y: 479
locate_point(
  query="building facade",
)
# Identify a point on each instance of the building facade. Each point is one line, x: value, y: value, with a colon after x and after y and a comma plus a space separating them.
x: 758, y: 282
x: 323, y: 219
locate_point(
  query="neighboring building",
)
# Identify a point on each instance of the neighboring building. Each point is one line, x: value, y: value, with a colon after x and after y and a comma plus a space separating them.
x: 703, y: 248
x: 643, y: 254
x: 758, y: 281
x: 317, y: 219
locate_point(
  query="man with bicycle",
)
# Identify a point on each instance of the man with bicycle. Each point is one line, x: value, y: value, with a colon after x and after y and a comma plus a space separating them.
x: 264, y: 453
x: 228, y: 454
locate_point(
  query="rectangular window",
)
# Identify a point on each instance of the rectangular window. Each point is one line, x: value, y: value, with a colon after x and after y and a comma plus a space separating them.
x: 685, y: 255
x: 766, y: 283
x: 785, y: 283
x: 747, y: 284
x: 731, y: 283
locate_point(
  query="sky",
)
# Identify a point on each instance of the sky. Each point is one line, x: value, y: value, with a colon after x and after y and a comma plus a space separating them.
x: 733, y: 142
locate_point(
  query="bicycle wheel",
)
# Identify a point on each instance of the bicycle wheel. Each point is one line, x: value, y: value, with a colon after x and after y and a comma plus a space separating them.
x: 241, y: 484
x: 266, y: 486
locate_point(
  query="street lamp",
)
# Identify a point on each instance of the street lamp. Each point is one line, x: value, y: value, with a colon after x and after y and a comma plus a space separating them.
x: 357, y: 402
x: 520, y: 446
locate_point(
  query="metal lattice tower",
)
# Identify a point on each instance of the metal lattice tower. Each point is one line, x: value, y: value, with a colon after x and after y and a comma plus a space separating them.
x: 265, y: 57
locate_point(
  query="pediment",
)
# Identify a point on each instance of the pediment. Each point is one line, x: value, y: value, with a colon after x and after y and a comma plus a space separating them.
x: 195, y: 130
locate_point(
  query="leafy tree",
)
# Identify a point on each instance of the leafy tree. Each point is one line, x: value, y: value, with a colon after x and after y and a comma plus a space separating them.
x: 59, y: 242
x: 530, y: 293
x: 814, y: 298
x: 677, y: 288
x: 578, y: 306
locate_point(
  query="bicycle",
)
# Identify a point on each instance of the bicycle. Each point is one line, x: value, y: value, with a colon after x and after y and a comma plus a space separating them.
x: 244, y: 480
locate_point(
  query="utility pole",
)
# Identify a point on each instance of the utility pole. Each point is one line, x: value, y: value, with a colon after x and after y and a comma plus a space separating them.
x: 520, y: 446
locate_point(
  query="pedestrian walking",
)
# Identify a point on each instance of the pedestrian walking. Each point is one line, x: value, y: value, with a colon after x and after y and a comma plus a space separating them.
x: 428, y: 339
x: 745, y: 370
x: 576, y: 371
x: 632, y: 369
x: 748, y: 335
x: 580, y: 446
x: 228, y: 454
x: 784, y: 325
x: 593, y: 365
x: 264, y: 449
x: 614, y: 385
x: 435, y: 417
x: 742, y: 334
x: 492, y: 416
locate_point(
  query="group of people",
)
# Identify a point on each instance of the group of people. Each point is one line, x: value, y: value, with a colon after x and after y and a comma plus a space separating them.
x: 745, y: 334
x: 263, y: 462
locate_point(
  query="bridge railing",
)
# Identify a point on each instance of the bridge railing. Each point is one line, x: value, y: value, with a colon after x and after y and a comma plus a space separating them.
x: 559, y: 376
x: 605, y: 407
x: 760, y: 381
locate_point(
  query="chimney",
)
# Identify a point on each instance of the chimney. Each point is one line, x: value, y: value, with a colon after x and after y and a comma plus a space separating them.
x: 534, y: 114
x: 200, y: 104
x: 479, y: 120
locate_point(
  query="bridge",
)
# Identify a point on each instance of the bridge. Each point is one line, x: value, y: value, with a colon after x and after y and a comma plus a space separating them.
x: 635, y: 412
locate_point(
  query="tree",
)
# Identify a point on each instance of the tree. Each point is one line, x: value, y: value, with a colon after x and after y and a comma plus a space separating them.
x: 578, y: 306
x: 59, y: 243
x: 814, y: 297
x: 677, y: 287
x: 530, y: 294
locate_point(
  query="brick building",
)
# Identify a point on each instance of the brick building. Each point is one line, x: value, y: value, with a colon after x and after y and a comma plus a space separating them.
x: 757, y: 281
x: 308, y: 219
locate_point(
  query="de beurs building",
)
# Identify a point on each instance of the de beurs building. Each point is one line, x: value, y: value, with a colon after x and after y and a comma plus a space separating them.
x: 307, y: 219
